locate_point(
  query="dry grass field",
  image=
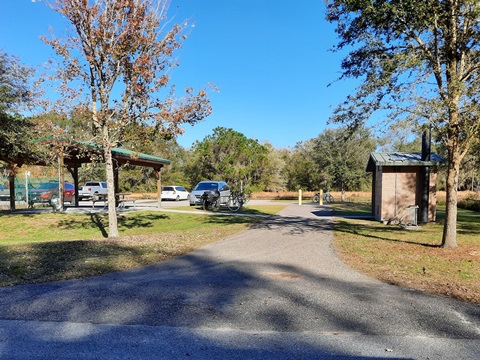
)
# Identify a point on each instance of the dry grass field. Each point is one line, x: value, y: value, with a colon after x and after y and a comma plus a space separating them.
x: 349, y: 196
x: 308, y: 195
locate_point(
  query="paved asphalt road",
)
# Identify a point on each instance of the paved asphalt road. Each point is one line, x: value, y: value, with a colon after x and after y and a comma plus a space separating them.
x: 276, y: 291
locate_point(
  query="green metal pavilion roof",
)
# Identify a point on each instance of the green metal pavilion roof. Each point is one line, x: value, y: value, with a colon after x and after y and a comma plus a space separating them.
x: 78, y: 152
x: 135, y: 158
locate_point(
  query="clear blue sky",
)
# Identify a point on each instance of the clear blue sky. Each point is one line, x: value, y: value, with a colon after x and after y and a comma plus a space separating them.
x: 270, y: 60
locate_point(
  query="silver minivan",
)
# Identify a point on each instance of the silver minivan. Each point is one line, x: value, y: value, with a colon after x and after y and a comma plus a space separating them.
x: 221, y: 186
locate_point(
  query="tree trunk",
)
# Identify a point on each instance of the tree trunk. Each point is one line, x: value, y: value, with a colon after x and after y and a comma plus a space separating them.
x: 61, y: 181
x: 112, y: 212
x: 449, y: 239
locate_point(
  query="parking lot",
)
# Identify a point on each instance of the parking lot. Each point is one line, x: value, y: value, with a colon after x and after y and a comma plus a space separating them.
x: 88, y: 205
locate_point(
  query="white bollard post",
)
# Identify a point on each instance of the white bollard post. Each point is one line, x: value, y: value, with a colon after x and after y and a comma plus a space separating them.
x: 300, y: 197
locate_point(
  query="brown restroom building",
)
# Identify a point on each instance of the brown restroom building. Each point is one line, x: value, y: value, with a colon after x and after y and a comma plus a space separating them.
x: 404, y: 182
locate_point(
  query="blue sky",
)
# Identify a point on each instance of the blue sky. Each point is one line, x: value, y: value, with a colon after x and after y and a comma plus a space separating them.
x: 270, y: 60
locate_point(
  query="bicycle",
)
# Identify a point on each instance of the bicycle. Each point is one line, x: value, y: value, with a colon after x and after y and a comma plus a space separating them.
x: 236, y: 200
x: 327, y: 197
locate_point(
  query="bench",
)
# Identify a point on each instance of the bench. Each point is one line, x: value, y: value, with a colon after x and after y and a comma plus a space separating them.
x: 97, y: 198
x: 123, y: 202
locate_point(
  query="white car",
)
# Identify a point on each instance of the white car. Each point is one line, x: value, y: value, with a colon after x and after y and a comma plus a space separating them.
x: 174, y: 192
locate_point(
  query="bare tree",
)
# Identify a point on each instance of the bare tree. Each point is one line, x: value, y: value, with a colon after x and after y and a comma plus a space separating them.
x: 117, y: 60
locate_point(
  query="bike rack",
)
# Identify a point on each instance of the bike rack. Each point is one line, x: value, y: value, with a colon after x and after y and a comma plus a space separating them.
x: 406, y: 217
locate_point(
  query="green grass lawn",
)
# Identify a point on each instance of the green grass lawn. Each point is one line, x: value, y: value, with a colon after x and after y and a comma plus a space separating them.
x: 352, y: 209
x: 57, y: 246
x: 413, y: 258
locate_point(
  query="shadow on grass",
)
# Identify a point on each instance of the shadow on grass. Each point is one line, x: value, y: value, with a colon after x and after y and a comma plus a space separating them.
x: 100, y: 221
x: 468, y: 221
x: 17, y: 213
x: 60, y: 260
x: 373, y: 230
x: 352, y: 209
x: 242, y: 211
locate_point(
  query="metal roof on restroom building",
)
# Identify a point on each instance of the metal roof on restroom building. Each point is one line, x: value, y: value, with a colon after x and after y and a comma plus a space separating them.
x: 401, y: 159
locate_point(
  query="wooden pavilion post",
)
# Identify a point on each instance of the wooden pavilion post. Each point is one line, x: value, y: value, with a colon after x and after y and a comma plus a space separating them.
x: 158, y: 173
x: 75, y: 182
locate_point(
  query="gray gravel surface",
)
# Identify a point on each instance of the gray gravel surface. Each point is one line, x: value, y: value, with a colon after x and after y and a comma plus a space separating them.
x: 274, y: 291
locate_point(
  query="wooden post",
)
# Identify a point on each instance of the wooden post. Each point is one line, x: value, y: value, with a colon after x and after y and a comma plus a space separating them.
x: 158, y: 173
x: 425, y: 177
x: 300, y: 197
x: 320, y: 202
x: 75, y: 182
